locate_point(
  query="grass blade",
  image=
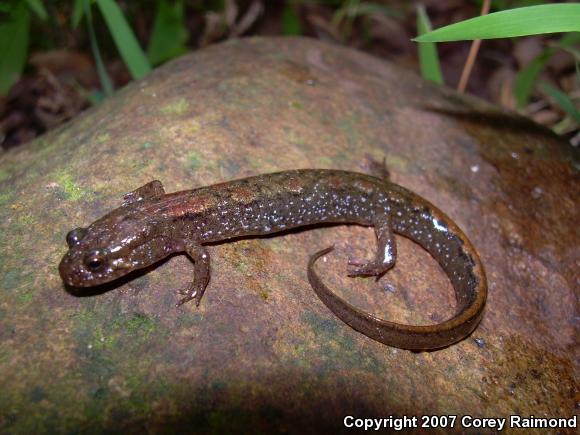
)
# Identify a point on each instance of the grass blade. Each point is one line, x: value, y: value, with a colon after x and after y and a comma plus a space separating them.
x: 104, y: 78
x: 565, y: 103
x: 526, y: 78
x: 77, y: 13
x: 125, y: 39
x: 532, y: 20
x: 14, y: 36
x: 291, y: 21
x: 169, y: 33
x: 38, y: 8
x: 428, y: 57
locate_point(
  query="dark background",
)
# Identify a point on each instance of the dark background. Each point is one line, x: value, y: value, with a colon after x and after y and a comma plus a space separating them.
x: 59, y: 78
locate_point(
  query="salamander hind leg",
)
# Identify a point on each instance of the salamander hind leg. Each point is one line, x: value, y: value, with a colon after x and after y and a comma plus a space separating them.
x: 200, y: 257
x: 386, y: 251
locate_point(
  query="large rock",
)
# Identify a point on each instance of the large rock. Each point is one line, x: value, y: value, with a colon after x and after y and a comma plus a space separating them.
x: 262, y: 352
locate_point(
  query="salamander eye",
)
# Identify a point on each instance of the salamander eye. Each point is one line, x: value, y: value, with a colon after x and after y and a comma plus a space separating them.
x: 75, y: 236
x: 95, y: 260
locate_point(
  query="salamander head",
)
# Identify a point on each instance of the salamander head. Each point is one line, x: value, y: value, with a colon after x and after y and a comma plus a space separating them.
x: 111, y: 247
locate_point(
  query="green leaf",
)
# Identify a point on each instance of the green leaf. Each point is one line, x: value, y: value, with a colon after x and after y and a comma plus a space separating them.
x: 562, y: 100
x: 532, y: 20
x: 14, y: 36
x: 526, y: 78
x: 291, y: 21
x: 104, y: 78
x: 77, y: 14
x: 125, y: 39
x: 428, y: 57
x: 38, y: 8
x: 169, y: 33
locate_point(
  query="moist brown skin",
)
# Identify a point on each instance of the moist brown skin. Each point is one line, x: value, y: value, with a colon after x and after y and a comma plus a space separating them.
x: 151, y: 225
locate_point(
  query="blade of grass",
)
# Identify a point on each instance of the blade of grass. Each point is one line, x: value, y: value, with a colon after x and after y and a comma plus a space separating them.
x: 77, y: 14
x: 573, y: 51
x: 125, y: 39
x: 532, y: 20
x: 14, y: 36
x: 562, y: 100
x: 169, y: 33
x: 526, y: 78
x: 38, y: 8
x: 428, y: 57
x: 347, y: 13
x: 104, y: 78
x: 291, y: 21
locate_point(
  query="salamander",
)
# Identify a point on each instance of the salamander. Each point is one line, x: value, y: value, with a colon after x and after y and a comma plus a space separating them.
x: 152, y: 224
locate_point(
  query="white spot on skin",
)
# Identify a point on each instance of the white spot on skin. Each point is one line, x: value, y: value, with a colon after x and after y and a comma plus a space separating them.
x: 127, y: 240
x: 438, y: 226
x: 388, y: 255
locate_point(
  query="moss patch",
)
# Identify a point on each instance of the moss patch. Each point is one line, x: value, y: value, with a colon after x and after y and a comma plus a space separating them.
x: 139, y: 325
x: 178, y: 107
x: 69, y: 189
x: 4, y: 198
x: 4, y: 175
x: 193, y: 161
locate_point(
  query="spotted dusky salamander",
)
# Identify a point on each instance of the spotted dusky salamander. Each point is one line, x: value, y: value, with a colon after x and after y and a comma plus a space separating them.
x: 150, y: 225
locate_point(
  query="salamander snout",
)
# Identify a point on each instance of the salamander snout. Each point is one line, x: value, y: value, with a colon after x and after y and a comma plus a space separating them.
x: 84, y: 268
x: 75, y: 236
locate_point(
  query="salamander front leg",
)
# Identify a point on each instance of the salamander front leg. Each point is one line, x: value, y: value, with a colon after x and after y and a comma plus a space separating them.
x: 200, y: 257
x: 386, y: 252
